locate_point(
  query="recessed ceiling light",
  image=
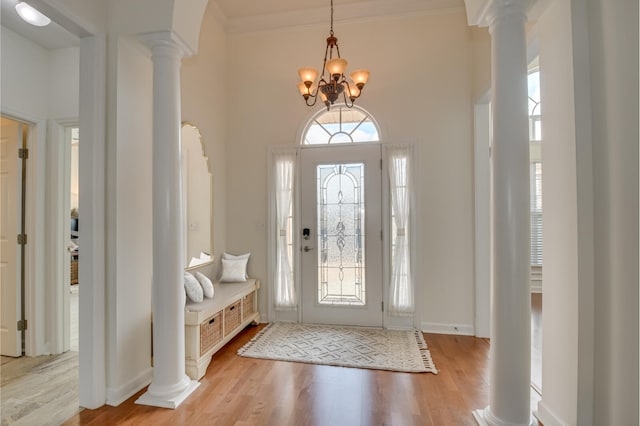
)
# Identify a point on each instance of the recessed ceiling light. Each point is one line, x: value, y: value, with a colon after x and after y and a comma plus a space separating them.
x: 31, y: 15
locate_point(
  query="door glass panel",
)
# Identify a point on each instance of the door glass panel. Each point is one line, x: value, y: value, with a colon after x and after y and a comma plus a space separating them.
x: 340, y: 206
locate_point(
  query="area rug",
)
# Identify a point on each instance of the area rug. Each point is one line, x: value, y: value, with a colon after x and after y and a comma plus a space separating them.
x: 358, y: 347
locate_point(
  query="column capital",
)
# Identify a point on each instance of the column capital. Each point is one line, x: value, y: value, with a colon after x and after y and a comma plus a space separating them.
x: 167, y: 42
x: 483, y: 13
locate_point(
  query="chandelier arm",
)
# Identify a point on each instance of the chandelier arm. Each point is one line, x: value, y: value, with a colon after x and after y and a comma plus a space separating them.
x: 324, y: 63
x: 347, y: 99
x: 315, y: 98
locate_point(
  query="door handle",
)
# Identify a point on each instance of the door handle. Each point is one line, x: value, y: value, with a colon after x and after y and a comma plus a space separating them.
x: 307, y: 249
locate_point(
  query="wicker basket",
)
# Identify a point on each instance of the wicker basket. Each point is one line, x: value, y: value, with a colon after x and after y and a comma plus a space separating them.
x: 248, y: 305
x: 74, y: 271
x: 232, y: 317
x: 210, y: 332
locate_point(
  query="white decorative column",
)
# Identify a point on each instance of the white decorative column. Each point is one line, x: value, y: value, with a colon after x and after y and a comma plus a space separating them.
x: 510, y: 364
x: 170, y: 385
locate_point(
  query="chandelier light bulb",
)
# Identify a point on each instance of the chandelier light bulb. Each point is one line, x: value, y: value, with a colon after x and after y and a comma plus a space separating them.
x: 31, y: 15
x: 360, y: 78
x: 304, y: 90
x: 308, y: 74
x: 336, y: 66
x: 354, y: 92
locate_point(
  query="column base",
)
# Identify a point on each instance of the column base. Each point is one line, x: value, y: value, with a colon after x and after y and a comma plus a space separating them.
x: 168, y: 401
x: 485, y: 417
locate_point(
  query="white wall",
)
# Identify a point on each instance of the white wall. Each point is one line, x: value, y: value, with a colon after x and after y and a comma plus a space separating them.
x: 129, y: 222
x: 25, y: 78
x: 203, y: 80
x: 588, y: 65
x: 64, y: 90
x: 613, y: 62
x: 560, y: 231
x: 420, y: 91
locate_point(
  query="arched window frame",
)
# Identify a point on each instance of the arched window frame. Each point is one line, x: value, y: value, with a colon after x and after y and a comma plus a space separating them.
x: 354, y: 125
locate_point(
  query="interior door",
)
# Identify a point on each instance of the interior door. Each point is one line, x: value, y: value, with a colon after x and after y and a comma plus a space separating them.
x: 341, y: 235
x: 10, y: 141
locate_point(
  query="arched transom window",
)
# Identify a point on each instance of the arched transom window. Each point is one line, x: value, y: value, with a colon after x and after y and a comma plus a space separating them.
x: 341, y: 125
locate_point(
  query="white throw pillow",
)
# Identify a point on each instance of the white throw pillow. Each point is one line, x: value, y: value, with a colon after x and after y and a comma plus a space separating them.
x: 229, y: 256
x: 234, y: 270
x: 193, y: 288
x: 207, y: 285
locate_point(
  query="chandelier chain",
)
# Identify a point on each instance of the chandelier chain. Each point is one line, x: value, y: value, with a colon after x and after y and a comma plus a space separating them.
x: 331, y: 30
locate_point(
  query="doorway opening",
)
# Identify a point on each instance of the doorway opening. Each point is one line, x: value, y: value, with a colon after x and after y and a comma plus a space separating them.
x: 535, y: 182
x: 72, y: 139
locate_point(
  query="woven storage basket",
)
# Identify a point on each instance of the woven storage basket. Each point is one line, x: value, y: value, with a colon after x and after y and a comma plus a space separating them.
x: 74, y: 271
x: 248, y: 306
x: 210, y: 332
x: 232, y: 317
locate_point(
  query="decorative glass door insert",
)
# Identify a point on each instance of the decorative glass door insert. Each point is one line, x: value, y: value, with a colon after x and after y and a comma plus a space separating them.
x: 340, y: 204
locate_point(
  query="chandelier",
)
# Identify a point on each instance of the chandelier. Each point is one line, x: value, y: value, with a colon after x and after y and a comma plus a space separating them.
x: 335, y: 83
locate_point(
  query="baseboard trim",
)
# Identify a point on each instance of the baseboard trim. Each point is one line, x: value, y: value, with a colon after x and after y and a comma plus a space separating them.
x: 438, y: 328
x: 548, y: 417
x: 116, y: 396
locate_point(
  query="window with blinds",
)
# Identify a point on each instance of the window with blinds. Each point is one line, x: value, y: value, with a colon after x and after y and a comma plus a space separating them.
x: 535, y: 140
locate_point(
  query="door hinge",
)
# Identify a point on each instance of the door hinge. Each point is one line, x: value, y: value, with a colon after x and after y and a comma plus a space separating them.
x: 382, y: 306
x: 22, y: 325
x: 381, y: 164
x: 22, y: 239
x: 23, y: 153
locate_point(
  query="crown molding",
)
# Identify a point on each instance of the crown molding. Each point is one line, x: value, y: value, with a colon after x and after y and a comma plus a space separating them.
x: 374, y: 9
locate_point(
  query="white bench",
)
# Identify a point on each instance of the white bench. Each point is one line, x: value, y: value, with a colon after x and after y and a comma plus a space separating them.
x: 214, y: 322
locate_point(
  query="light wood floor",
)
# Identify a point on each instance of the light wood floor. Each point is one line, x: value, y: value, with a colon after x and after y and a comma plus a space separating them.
x: 246, y: 391
x: 42, y: 390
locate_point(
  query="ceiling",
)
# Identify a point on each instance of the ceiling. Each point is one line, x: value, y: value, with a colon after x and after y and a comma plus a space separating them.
x: 53, y: 36
x: 247, y: 15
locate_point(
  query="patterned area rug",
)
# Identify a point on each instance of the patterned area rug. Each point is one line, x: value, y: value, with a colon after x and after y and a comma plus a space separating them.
x: 359, y: 347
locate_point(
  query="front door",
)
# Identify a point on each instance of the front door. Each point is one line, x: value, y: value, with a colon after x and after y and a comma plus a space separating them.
x: 341, y: 235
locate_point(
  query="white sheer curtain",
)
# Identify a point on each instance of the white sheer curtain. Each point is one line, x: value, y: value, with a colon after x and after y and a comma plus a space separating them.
x: 284, y: 168
x: 401, y: 287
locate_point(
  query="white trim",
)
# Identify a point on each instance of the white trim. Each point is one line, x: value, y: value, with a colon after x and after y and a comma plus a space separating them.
x: 92, y: 272
x: 485, y: 417
x: 482, y: 218
x: 36, y: 288
x: 439, y: 328
x: 116, y: 396
x: 172, y: 401
x: 345, y: 13
x: 58, y: 237
x: 548, y: 417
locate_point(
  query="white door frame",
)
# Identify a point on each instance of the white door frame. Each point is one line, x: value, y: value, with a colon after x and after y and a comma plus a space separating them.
x: 59, y: 231
x: 482, y: 220
x: 296, y: 314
